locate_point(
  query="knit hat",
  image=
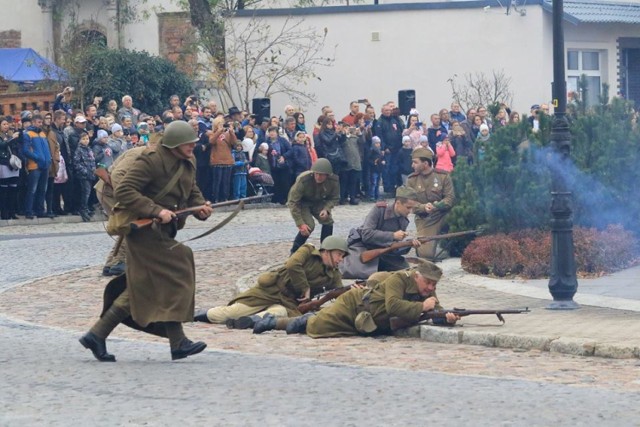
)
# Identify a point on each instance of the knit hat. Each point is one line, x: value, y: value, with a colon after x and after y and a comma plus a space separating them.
x: 406, y: 138
x: 80, y: 119
x: 375, y: 139
x: 115, y: 128
x: 25, y: 116
x: 263, y: 145
x: 423, y: 138
x: 102, y: 134
x: 484, y: 127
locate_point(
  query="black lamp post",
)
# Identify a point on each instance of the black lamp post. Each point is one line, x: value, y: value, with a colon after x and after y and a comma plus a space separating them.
x: 563, y: 283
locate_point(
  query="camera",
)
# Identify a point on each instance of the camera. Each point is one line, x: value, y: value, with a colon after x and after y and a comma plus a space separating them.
x: 362, y: 101
x: 419, y: 124
x: 226, y: 125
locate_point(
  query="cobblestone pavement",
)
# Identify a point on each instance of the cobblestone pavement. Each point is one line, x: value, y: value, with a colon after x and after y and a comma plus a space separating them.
x: 271, y: 379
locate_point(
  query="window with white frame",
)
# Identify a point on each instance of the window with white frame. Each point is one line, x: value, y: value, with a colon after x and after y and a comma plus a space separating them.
x: 585, y: 62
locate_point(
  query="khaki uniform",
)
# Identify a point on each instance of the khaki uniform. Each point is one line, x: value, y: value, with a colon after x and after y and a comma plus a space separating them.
x: 395, y: 296
x: 160, y: 281
x: 436, y: 188
x: 307, y: 199
x: 304, y: 269
x: 107, y: 200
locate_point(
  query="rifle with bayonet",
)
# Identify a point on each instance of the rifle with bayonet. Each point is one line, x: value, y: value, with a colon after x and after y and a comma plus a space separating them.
x: 320, y: 299
x: 399, y: 323
x: 183, y: 213
x: 371, y: 254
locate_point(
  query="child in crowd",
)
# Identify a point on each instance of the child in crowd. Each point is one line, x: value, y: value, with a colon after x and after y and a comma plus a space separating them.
x: 446, y: 154
x: 262, y: 159
x: 102, y: 151
x: 143, y: 130
x: 116, y: 141
x: 249, y: 141
x: 239, y: 172
x: 482, y: 141
x: 298, y: 157
x: 404, y: 158
x: 85, y: 166
x: 376, y: 165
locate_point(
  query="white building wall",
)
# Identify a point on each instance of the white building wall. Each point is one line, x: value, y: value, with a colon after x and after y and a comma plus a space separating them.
x: 421, y: 50
x: 25, y: 16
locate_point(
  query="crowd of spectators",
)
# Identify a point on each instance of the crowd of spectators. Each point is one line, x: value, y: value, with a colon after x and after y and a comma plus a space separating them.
x: 50, y: 160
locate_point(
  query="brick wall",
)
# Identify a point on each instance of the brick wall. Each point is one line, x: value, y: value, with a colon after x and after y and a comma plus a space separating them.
x: 10, y: 39
x: 177, y: 39
x: 14, y: 103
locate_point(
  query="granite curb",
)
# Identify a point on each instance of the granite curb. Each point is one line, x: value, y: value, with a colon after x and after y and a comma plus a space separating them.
x: 517, y: 342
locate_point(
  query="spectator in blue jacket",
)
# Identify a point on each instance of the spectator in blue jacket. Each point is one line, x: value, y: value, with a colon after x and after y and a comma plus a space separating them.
x: 298, y: 157
x: 35, y: 148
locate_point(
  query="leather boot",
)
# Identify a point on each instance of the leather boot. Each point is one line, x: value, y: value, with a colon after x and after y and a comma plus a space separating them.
x: 187, y: 348
x: 244, y: 322
x: 298, y: 325
x: 201, y: 316
x: 97, y: 346
x: 326, y: 231
x: 299, y: 241
x: 267, y: 323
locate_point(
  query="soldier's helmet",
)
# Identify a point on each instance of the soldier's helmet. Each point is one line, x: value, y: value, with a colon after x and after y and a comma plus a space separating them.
x: 331, y: 243
x: 178, y: 133
x: 322, y: 165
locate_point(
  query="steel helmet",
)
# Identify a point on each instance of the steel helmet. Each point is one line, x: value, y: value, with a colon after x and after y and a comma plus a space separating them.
x: 322, y: 165
x: 331, y: 243
x: 178, y: 133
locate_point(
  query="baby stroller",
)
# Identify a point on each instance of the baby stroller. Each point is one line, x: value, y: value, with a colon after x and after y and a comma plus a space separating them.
x: 259, y: 182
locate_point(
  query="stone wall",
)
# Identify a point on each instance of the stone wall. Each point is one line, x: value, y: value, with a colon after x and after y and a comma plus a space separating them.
x: 10, y: 39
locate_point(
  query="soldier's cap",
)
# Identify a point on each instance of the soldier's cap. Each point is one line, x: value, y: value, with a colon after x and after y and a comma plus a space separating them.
x: 406, y: 192
x: 419, y: 153
x: 429, y: 270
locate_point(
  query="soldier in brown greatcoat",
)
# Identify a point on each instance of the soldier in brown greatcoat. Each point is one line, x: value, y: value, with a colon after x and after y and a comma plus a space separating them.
x: 405, y: 294
x: 160, y: 282
x: 435, y: 196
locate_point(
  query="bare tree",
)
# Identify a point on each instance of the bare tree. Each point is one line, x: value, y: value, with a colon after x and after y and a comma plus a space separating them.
x: 262, y: 61
x: 481, y: 89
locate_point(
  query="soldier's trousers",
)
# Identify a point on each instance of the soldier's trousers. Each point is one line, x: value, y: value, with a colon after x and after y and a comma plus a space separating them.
x: 426, y: 227
x: 236, y: 310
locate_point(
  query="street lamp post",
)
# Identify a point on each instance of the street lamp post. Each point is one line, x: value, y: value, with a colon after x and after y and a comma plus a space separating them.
x: 563, y: 283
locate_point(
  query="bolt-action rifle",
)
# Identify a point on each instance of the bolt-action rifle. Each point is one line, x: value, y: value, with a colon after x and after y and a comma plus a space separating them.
x: 183, y: 213
x: 399, y: 323
x: 320, y: 299
x: 371, y: 254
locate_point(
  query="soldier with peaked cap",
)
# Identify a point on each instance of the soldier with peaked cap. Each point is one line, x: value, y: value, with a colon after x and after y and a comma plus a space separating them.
x: 313, y: 195
x: 160, y: 280
x: 435, y: 199
x: 405, y: 294
x: 308, y: 272
x: 384, y: 225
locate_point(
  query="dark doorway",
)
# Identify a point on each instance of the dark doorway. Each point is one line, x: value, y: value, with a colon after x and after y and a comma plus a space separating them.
x: 630, y: 69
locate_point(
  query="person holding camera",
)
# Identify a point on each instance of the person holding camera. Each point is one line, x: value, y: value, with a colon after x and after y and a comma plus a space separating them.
x: 414, y: 130
x: 222, y: 140
x: 63, y: 100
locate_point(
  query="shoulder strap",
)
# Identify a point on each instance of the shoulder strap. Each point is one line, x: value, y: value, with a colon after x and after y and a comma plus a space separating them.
x: 170, y: 184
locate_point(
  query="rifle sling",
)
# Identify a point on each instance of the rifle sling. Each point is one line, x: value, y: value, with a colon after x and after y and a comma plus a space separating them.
x: 215, y: 228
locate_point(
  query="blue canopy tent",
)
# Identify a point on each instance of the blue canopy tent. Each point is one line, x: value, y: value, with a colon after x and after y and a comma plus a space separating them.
x: 25, y: 65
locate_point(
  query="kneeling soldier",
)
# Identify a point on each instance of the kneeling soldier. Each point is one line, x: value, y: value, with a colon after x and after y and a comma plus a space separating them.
x: 384, y: 225
x: 405, y: 294
x: 306, y: 273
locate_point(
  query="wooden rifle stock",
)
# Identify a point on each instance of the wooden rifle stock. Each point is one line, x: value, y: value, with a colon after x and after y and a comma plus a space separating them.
x: 371, y: 254
x: 146, y: 222
x: 319, y: 300
x: 399, y: 323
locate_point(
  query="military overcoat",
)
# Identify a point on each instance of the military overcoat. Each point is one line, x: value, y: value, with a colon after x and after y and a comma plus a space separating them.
x: 376, y: 232
x: 432, y: 187
x: 395, y: 296
x: 304, y: 269
x: 307, y: 198
x: 160, y: 281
